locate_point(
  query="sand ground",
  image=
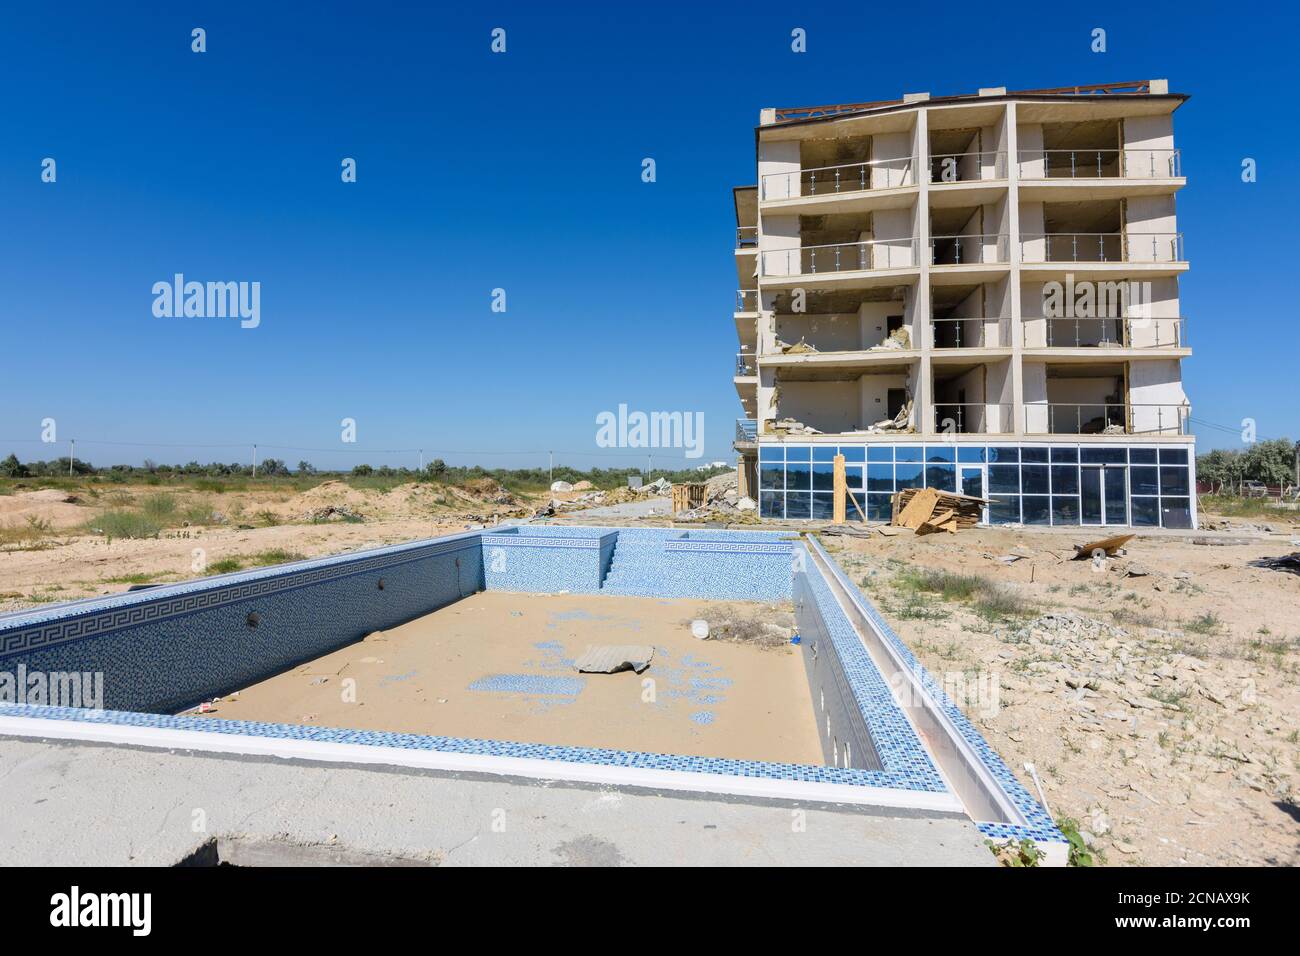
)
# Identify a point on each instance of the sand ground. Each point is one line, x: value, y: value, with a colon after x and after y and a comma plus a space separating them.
x: 499, y: 665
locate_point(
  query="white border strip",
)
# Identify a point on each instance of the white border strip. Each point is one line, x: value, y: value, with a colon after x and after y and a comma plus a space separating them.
x: 202, y: 741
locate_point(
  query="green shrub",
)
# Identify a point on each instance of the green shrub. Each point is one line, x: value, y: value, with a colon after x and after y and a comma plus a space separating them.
x: 125, y: 524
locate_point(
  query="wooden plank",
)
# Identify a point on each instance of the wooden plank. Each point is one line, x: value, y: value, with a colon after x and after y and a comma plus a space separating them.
x: 840, y: 485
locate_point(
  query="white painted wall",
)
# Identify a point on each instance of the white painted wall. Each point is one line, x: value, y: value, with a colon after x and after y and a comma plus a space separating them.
x: 1156, y: 391
x: 890, y: 153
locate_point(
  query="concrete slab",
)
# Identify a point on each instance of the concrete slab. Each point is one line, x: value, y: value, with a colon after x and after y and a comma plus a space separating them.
x: 84, y: 804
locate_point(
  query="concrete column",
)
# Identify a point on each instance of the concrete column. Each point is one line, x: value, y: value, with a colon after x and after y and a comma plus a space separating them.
x: 923, y: 399
x: 1013, y: 231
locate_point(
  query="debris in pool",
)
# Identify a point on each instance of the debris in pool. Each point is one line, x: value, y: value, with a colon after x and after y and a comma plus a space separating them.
x: 700, y: 629
x: 703, y: 717
x: 796, y: 639
x: 318, y: 680
x: 612, y: 658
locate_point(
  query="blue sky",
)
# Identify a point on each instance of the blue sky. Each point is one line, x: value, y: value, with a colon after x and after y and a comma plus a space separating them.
x: 521, y: 171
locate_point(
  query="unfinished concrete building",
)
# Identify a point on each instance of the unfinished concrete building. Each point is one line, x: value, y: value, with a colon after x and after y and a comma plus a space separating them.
x: 978, y: 293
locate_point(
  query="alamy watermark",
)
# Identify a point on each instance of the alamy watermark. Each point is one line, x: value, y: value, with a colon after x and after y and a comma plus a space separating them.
x: 80, y: 689
x: 626, y: 429
x: 209, y: 300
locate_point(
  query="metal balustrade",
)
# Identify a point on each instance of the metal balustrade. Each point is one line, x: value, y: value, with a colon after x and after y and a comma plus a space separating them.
x: 972, y: 418
x: 1041, y: 247
x: 968, y: 167
x: 1131, y: 332
x: 840, y: 257
x: 969, y: 249
x: 1099, y: 164
x: 1105, y: 418
x: 835, y: 180
x: 970, y: 333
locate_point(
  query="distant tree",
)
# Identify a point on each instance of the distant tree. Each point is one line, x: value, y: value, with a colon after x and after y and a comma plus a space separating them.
x: 360, y: 471
x: 436, y: 468
x: 306, y: 468
x: 11, y: 467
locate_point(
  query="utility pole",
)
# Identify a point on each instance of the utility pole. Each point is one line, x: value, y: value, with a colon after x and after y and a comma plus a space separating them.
x: 72, y: 456
x: 421, y: 459
x: 255, y: 459
x: 1297, y: 464
x: 647, y: 469
x: 551, y: 466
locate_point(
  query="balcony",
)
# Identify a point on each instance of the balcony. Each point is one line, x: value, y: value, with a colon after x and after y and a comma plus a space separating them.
x: 1105, y: 418
x: 746, y: 366
x: 746, y: 238
x: 1101, y: 247
x: 840, y: 257
x: 1102, y: 333
x: 969, y: 250
x: 1099, y: 164
x: 746, y: 300
x: 746, y: 431
x: 971, y: 333
x: 968, y: 167
x: 839, y: 180
x: 972, y: 418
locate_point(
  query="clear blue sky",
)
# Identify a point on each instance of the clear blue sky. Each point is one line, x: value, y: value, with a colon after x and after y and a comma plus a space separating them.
x: 522, y: 171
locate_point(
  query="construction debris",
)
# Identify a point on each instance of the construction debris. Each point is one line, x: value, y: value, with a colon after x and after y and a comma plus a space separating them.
x: 561, y: 486
x: 689, y: 495
x: 1287, y: 562
x: 898, y: 339
x: 792, y: 426
x: 802, y: 347
x: 926, y: 510
x: 612, y: 658
x: 1108, y: 546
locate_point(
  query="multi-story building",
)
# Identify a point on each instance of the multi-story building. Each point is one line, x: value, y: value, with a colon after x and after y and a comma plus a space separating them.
x: 975, y: 293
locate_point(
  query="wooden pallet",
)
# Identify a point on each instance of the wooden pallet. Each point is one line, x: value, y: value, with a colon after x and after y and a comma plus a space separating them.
x: 927, y: 510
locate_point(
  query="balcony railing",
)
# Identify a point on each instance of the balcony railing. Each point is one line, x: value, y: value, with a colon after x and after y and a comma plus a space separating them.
x: 834, y: 180
x: 969, y: 250
x: 971, y: 333
x: 1099, y: 164
x: 967, y: 167
x: 747, y: 237
x: 746, y: 430
x: 746, y: 300
x: 1105, y: 418
x: 972, y: 418
x: 1121, y: 332
x: 745, y: 364
x: 1101, y: 247
x: 840, y: 257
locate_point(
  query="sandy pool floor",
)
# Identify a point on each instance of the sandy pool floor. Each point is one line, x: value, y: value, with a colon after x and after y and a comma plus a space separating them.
x: 498, y: 665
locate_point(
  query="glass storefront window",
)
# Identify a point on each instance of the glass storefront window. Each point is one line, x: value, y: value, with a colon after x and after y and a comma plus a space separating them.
x: 823, y: 478
x: 1033, y: 479
x: 1145, y: 512
x: 881, y: 477
x: 771, y: 504
x: 942, y: 477
x: 1065, y: 480
x: 1037, y: 509
x: 771, y: 476
x: 798, y: 506
x: 1173, y: 481
x: 1004, y: 479
x: 1142, y: 480
x: 798, y: 476
x: 1065, y: 509
x: 907, y: 476
x: 1004, y: 509
x: 880, y: 453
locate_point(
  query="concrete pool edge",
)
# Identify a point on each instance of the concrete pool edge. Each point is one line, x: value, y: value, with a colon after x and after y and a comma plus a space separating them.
x: 68, y: 728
